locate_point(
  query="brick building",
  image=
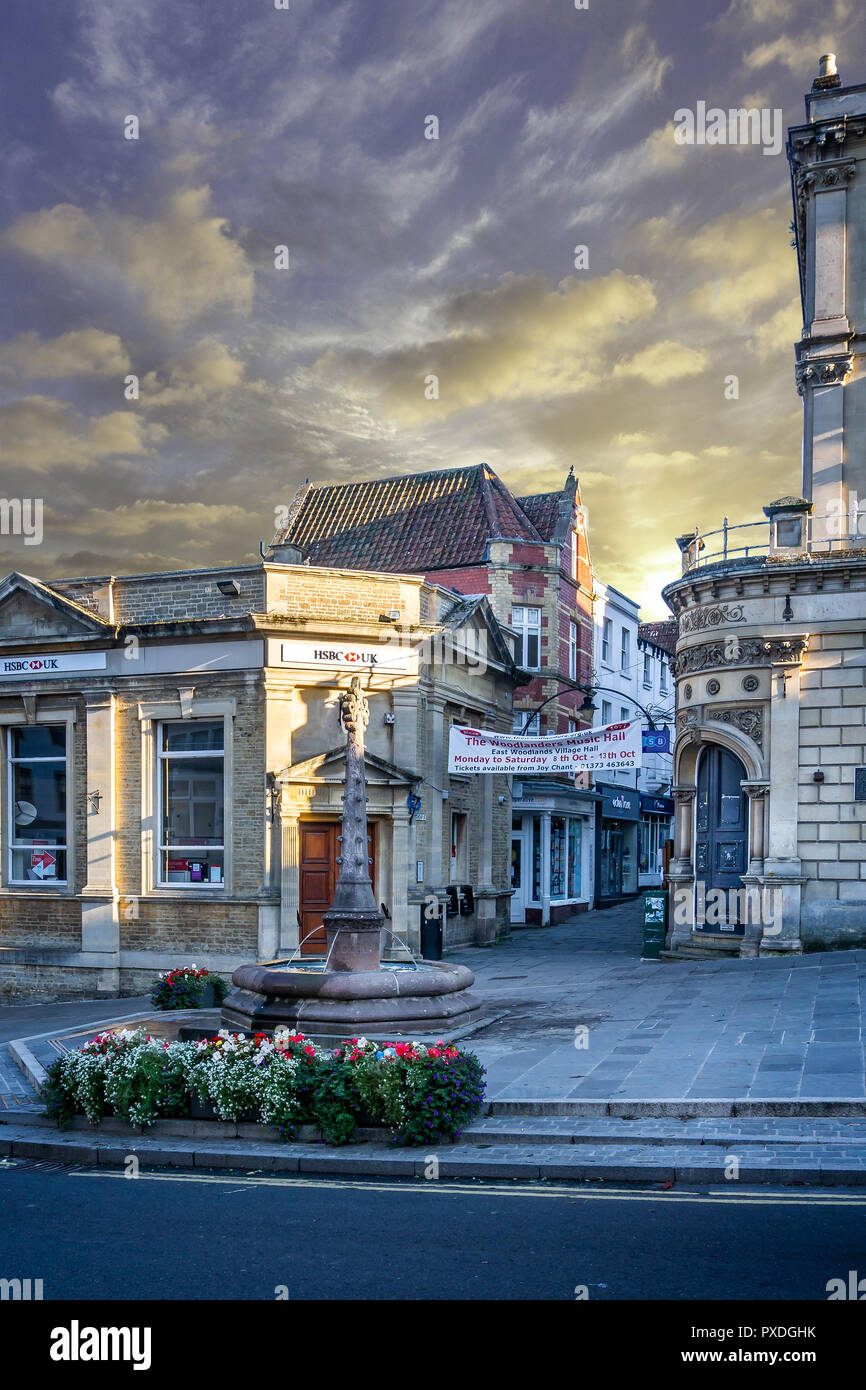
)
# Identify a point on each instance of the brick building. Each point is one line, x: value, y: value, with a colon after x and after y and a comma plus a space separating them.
x: 173, y: 762
x: 463, y: 529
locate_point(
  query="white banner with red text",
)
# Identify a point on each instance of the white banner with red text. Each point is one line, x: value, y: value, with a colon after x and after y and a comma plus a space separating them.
x: 613, y: 748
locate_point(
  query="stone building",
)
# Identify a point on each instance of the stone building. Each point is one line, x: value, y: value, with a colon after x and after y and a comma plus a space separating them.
x: 462, y: 528
x: 770, y: 756
x: 173, y: 761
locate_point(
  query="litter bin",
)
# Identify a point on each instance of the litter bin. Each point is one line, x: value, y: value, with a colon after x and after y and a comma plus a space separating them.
x: 655, y: 919
x: 431, y: 934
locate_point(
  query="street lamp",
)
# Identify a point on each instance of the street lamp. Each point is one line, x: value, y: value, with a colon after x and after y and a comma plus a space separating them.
x: 587, y: 707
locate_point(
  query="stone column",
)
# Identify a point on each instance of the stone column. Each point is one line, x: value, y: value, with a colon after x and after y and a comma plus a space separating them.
x: 401, y: 924
x: 290, y: 865
x: 545, y: 868
x: 757, y: 794
x: 485, y: 896
x: 438, y: 773
x: 100, y: 925
x: 681, y: 874
x: 782, y: 877
x: 753, y: 924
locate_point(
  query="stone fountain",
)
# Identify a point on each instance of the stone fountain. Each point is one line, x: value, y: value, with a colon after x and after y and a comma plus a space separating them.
x: 352, y: 991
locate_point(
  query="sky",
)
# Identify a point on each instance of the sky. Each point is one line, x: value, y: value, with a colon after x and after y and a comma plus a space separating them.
x: 409, y: 257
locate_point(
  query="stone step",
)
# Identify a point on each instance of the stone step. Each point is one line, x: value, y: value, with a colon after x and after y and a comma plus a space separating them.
x: 806, y: 1164
x: 844, y: 1107
x: 648, y: 1131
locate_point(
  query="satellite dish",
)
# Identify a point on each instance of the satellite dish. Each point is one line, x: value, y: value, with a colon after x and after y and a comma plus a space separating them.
x: 25, y: 813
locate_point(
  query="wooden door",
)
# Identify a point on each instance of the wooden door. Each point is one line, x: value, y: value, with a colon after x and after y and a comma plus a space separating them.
x: 318, y: 869
x: 721, y: 832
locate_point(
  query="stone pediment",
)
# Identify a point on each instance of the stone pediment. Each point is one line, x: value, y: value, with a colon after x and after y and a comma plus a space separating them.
x: 32, y: 612
x: 331, y: 768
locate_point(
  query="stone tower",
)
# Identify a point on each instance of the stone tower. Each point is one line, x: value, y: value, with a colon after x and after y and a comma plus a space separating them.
x: 827, y: 156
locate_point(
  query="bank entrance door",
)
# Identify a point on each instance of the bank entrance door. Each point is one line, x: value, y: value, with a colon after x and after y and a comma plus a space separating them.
x: 318, y: 870
x: 518, y: 874
x: 611, y: 858
x: 721, y: 829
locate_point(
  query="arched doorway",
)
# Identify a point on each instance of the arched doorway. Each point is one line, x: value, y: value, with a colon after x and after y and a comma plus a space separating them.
x: 721, y: 840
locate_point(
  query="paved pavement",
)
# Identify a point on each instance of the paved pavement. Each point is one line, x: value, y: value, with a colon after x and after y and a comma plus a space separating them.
x: 599, y: 1066
x: 586, y: 1019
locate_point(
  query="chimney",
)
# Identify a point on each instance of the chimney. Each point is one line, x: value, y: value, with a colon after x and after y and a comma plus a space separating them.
x: 827, y: 73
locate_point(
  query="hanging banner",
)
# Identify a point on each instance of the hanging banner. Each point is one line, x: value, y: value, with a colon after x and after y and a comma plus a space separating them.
x: 613, y: 747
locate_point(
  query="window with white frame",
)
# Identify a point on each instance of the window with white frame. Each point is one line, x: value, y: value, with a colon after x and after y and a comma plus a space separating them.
x: 36, y: 800
x: 625, y: 650
x: 606, y: 712
x: 527, y: 623
x: 520, y: 718
x: 663, y: 677
x: 606, y: 638
x: 572, y: 650
x: 574, y: 555
x: 191, y: 791
x: 647, y: 671
x: 624, y: 713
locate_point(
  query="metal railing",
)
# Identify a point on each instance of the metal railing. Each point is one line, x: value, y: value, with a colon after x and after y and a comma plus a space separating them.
x: 835, y: 532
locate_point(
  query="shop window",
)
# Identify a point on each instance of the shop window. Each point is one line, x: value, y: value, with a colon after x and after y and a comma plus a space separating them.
x: 191, y: 803
x: 574, y: 857
x: 37, y: 804
x: 459, y: 865
x: 527, y: 623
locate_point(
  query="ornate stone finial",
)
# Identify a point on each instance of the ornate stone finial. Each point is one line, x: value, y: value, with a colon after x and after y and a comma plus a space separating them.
x: 355, y: 709
x: 828, y: 75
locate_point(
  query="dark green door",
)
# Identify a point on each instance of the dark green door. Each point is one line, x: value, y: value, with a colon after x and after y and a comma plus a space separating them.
x: 721, y: 835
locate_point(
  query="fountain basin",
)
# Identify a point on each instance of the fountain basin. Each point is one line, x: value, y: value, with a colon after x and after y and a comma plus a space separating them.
x: 396, y: 1000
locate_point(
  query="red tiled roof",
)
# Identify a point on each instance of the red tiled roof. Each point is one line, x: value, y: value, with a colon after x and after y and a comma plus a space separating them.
x: 411, y: 524
x: 664, y: 634
x: 542, y: 508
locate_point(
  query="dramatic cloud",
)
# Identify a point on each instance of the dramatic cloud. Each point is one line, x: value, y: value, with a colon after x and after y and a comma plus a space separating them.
x: 82, y: 352
x: 183, y: 263
x: 411, y: 258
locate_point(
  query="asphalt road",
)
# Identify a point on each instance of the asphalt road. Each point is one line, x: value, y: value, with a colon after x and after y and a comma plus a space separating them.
x: 91, y: 1234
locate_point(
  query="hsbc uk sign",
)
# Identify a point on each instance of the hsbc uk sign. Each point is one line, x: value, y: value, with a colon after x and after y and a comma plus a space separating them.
x: 50, y: 664
x: 379, y: 656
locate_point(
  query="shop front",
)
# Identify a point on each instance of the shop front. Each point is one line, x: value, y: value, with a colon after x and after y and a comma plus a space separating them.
x: 656, y: 826
x: 552, y: 851
x: 617, y: 843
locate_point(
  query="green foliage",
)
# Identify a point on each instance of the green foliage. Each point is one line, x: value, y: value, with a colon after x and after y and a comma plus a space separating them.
x: 422, y: 1093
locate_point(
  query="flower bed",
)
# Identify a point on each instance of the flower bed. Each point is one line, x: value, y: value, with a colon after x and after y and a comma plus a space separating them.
x: 186, y: 987
x: 420, y: 1093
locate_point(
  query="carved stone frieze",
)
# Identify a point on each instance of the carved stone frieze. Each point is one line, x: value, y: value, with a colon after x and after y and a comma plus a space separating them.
x: 697, y: 619
x: 749, y: 721
x: 736, y: 651
x: 823, y: 371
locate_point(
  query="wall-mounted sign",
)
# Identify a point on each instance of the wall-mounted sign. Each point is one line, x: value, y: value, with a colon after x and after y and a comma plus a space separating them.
x: 611, y: 747
x: 372, y: 656
x: 50, y: 664
x: 619, y: 803
x: 657, y: 740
